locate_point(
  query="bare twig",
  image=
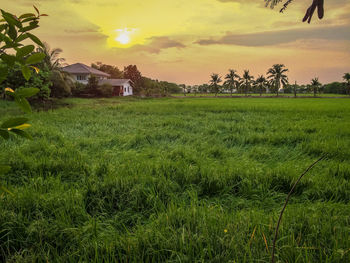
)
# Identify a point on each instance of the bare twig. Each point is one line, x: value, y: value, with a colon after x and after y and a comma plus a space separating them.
x: 285, y: 205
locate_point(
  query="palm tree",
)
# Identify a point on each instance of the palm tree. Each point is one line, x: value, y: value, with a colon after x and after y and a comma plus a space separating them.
x: 247, y: 80
x: 276, y: 74
x: 231, y: 80
x: 346, y: 77
x: 261, y: 82
x: 315, y: 85
x: 62, y: 82
x: 214, y: 82
x: 52, y: 59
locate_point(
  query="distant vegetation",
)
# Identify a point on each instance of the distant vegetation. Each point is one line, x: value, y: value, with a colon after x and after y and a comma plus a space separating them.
x: 276, y: 82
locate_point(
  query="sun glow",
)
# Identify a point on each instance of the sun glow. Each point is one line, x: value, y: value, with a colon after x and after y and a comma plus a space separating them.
x: 123, y: 38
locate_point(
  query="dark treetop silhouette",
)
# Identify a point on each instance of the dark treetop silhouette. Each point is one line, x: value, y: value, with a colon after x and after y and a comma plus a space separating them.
x: 319, y: 4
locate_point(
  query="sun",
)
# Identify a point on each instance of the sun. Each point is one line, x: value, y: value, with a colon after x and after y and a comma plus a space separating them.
x: 123, y: 38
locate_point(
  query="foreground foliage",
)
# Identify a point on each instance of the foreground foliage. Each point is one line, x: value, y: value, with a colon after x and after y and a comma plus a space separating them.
x: 178, y: 180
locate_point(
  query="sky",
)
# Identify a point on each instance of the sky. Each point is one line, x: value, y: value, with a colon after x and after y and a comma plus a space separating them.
x: 185, y: 41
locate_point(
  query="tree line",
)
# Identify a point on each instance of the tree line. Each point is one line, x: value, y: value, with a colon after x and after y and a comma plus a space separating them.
x: 53, y: 81
x: 275, y: 81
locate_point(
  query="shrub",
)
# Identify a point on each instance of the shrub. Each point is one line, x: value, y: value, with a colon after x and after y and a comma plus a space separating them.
x: 106, y: 90
x: 80, y: 89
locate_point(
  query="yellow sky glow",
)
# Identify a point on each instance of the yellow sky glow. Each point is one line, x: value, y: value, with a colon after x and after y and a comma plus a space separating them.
x: 185, y: 41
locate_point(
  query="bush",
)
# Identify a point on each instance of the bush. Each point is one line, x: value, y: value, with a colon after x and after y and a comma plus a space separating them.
x: 105, y: 90
x: 15, y: 80
x: 80, y: 89
x: 62, y: 84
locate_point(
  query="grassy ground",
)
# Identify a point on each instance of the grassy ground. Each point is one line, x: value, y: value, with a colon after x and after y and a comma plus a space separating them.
x: 178, y: 180
x: 263, y: 95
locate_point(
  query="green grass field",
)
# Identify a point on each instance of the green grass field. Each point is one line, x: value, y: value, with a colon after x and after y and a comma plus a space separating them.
x: 178, y: 180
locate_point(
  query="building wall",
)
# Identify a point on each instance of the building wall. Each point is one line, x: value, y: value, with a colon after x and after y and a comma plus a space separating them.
x: 84, y: 78
x: 127, y: 89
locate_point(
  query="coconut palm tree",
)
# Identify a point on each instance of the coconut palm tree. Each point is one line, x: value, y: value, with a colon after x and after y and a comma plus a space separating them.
x: 315, y: 85
x: 231, y: 80
x: 276, y: 73
x: 247, y: 81
x: 214, y: 82
x: 52, y: 59
x: 62, y: 82
x: 261, y: 82
x: 346, y: 77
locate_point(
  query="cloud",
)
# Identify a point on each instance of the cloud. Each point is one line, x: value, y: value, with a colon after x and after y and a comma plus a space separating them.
x: 156, y: 44
x: 269, y: 38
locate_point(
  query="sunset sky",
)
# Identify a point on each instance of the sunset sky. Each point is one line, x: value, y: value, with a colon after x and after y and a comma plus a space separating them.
x: 186, y: 40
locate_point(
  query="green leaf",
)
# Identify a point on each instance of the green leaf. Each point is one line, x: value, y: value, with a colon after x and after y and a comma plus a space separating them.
x: 32, y: 25
x: 3, y: 27
x: 4, y: 168
x: 24, y: 51
x: 35, y: 39
x: 12, y: 32
x: 14, y: 122
x: 22, y: 133
x: 22, y: 37
x: 4, y: 134
x: 29, y: 19
x: 8, y: 59
x: 27, y: 92
x: 27, y: 15
x: 23, y: 104
x: 35, y: 58
x: 11, y: 19
x: 3, y: 73
x: 26, y: 72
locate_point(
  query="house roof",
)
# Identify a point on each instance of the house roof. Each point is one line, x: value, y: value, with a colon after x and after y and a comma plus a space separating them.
x: 114, y: 82
x: 79, y: 68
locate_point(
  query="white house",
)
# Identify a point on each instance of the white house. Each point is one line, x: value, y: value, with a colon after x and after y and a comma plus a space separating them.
x: 122, y: 87
x: 81, y: 73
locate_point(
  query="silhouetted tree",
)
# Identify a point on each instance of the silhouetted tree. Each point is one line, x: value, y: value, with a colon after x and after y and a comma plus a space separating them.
x: 114, y: 71
x: 346, y: 77
x: 131, y: 72
x: 261, y: 82
x: 276, y: 74
x: 214, y: 82
x: 247, y: 80
x: 231, y: 80
x: 315, y: 85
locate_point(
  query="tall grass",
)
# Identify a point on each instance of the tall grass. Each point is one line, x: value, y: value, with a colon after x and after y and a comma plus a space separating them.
x: 178, y: 180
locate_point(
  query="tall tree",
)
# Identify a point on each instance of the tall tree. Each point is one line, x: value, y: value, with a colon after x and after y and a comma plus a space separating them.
x: 114, y: 71
x: 131, y: 72
x: 214, y: 82
x: 346, y: 77
x: 276, y: 74
x: 261, y: 82
x: 315, y: 85
x: 231, y: 80
x: 247, y: 80
x: 62, y: 83
x: 52, y: 59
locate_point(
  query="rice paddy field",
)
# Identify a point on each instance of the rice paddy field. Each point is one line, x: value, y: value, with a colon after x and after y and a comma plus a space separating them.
x: 178, y: 180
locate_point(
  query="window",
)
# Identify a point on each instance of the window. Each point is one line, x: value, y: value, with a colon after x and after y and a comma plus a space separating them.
x: 81, y: 77
x: 124, y: 89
